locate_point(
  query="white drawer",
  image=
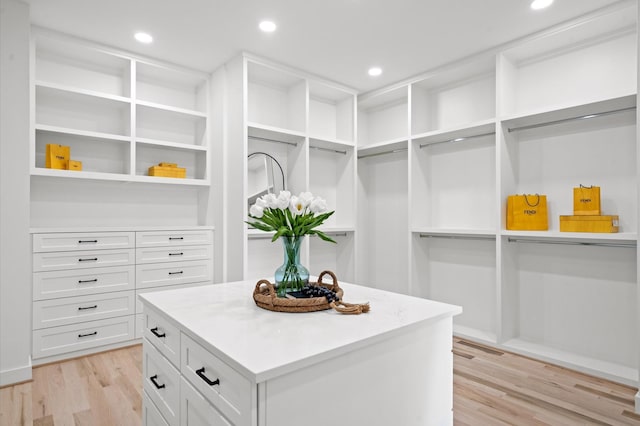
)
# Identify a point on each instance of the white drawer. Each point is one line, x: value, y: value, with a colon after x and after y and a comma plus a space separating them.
x: 173, y: 254
x: 173, y: 238
x: 150, y: 414
x: 56, y: 261
x: 163, y: 335
x: 195, y: 410
x: 157, y: 274
x: 68, y: 338
x: 82, y: 241
x: 161, y: 381
x: 72, y: 310
x: 54, y: 284
x: 140, y: 306
x: 226, y: 389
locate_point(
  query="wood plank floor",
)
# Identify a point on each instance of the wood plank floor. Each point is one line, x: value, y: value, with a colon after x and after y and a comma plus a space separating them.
x: 491, y: 387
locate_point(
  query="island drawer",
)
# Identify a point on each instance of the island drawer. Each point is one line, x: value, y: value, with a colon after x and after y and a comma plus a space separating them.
x: 173, y: 254
x: 56, y: 261
x: 155, y: 275
x: 56, y: 284
x: 71, y: 241
x: 196, y: 410
x: 150, y: 414
x: 173, y: 238
x: 71, y: 310
x: 163, y: 335
x: 161, y: 381
x: 226, y: 389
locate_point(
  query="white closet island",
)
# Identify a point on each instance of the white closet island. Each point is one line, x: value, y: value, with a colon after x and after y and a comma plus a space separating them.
x: 211, y: 356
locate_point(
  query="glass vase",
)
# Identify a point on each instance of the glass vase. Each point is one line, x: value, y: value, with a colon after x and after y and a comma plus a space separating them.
x: 291, y: 276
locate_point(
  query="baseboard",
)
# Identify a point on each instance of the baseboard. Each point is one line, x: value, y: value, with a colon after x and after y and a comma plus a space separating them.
x: 16, y: 375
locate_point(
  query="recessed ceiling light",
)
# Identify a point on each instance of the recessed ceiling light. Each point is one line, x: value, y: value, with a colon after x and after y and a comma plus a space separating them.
x: 268, y: 26
x: 375, y: 71
x: 540, y: 4
x: 143, y: 37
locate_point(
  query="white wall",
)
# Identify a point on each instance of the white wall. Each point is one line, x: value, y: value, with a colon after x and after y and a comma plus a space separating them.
x: 15, y: 247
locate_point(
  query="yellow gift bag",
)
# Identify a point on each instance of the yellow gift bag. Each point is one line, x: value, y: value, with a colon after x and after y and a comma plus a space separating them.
x: 57, y: 156
x: 527, y: 212
x: 586, y: 201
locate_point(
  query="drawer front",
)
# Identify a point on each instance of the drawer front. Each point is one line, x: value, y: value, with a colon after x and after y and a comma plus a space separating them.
x: 173, y: 254
x: 140, y: 305
x: 156, y: 275
x: 161, y: 381
x: 68, y: 338
x: 173, y: 238
x: 55, y: 284
x: 57, y: 261
x: 195, y: 410
x: 227, y: 390
x: 82, y: 241
x: 150, y: 414
x: 72, y: 310
x: 163, y: 335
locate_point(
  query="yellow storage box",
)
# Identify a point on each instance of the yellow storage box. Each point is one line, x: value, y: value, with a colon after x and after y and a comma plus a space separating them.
x: 173, y: 172
x: 600, y: 224
x: 75, y: 165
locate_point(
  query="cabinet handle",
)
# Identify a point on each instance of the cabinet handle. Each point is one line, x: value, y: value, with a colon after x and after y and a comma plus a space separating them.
x: 153, y: 380
x: 176, y: 273
x: 95, y: 280
x: 200, y: 374
x: 87, y: 241
x: 176, y: 238
x: 88, y: 334
x: 176, y: 254
x: 90, y: 259
x: 155, y: 332
x: 84, y: 308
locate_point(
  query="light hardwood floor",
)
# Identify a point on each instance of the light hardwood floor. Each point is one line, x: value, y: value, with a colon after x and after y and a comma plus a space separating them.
x: 491, y: 387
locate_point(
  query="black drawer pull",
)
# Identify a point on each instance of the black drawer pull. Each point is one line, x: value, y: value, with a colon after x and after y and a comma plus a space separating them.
x: 200, y: 374
x: 176, y: 238
x: 153, y: 380
x: 90, y: 259
x: 155, y: 332
x: 87, y: 241
x: 88, y: 334
x: 95, y: 280
x: 176, y: 273
x: 176, y: 254
x: 84, y: 308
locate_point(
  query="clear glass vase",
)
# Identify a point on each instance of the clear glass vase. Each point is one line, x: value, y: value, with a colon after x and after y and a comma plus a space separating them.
x: 291, y: 276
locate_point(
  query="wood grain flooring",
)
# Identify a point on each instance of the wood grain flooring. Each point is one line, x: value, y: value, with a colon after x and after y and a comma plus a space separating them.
x: 491, y: 387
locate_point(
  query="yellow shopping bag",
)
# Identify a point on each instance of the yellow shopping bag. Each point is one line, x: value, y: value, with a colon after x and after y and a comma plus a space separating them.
x: 527, y: 212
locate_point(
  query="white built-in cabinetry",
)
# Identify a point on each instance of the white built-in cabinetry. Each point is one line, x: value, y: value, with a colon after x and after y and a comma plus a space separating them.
x: 308, y: 125
x: 439, y: 154
x: 119, y: 114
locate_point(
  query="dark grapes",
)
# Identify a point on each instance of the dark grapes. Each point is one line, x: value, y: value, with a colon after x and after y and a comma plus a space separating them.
x: 318, y: 291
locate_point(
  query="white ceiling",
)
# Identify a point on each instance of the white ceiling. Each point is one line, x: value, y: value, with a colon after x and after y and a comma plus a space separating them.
x: 336, y: 39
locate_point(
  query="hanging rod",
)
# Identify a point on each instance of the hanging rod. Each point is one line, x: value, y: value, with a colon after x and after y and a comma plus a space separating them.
x: 460, y: 237
x: 564, y: 120
x: 460, y: 139
x: 572, y: 243
x: 258, y: 138
x: 393, y: 151
x: 270, y: 236
x: 333, y: 234
x: 319, y: 148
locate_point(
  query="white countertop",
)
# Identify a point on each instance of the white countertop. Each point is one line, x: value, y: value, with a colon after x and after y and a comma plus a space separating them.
x: 262, y: 344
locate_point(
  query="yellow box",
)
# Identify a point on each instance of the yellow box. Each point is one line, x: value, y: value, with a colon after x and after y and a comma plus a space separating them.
x: 57, y: 156
x: 174, y: 172
x: 168, y: 164
x: 75, y: 165
x: 600, y: 224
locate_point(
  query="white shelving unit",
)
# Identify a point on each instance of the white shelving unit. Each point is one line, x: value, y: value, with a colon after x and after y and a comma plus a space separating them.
x: 308, y: 125
x: 119, y: 113
x: 540, y: 115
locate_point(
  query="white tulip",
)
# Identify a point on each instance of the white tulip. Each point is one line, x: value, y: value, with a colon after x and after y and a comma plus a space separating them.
x: 283, y: 200
x: 305, y: 198
x: 261, y: 203
x: 318, y: 205
x: 271, y: 200
x: 256, y: 211
x: 295, y: 206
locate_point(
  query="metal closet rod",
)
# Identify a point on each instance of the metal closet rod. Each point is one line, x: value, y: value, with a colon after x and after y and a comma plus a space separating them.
x: 258, y: 138
x: 319, y: 148
x: 564, y: 120
x: 571, y: 243
x: 392, y: 151
x: 270, y: 236
x: 459, y: 237
x: 460, y: 139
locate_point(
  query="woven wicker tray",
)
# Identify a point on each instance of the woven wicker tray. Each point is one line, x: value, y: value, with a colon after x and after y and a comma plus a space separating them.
x: 265, y: 297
